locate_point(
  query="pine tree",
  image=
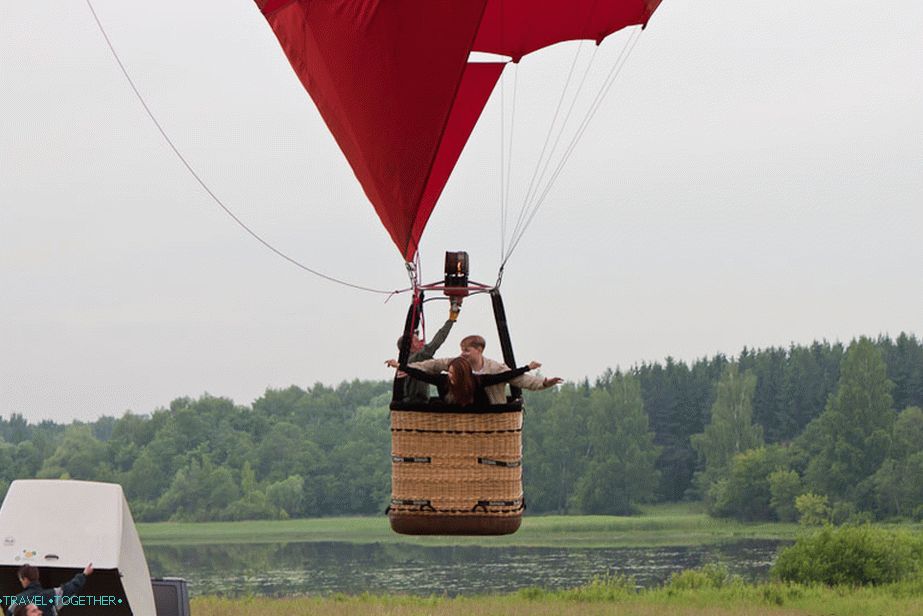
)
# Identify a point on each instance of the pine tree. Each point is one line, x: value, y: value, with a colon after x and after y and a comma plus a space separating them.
x: 730, y: 430
x: 620, y: 471
x: 853, y: 434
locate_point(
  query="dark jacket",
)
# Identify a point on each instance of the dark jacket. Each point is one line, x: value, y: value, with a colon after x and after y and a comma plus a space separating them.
x: 416, y: 390
x: 48, y: 599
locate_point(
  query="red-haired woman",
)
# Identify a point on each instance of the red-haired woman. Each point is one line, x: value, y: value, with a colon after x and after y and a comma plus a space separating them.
x: 460, y: 385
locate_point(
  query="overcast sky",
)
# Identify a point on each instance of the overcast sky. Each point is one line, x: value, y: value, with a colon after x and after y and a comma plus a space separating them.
x: 755, y: 177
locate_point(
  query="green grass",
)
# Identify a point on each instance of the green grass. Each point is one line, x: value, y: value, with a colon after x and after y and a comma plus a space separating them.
x: 601, y: 597
x: 673, y: 524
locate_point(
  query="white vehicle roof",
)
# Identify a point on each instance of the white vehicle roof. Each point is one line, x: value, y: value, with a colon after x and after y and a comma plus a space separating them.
x: 68, y: 524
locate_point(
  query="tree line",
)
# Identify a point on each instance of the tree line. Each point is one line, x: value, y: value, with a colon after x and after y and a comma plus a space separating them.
x: 812, y: 432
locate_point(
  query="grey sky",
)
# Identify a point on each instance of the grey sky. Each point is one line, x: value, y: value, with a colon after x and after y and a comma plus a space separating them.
x: 754, y: 178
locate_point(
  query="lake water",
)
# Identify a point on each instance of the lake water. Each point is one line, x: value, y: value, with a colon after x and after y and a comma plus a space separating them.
x: 323, y: 568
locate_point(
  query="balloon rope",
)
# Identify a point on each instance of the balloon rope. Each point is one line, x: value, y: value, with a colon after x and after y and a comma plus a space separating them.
x: 413, y: 271
x: 554, y: 147
x: 537, y: 178
x: 509, y: 153
x: 594, y: 107
x: 597, y: 103
x: 554, y: 121
x: 205, y: 187
x: 502, y: 146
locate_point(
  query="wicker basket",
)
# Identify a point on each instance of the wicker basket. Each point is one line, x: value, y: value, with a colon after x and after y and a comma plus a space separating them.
x: 454, y: 472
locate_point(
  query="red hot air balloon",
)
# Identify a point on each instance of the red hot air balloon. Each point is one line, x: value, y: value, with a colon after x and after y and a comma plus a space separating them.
x: 392, y: 80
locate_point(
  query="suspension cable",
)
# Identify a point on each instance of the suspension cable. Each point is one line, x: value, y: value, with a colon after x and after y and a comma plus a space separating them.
x: 594, y: 108
x: 536, y: 176
x: 502, y: 145
x: 541, y: 156
x: 582, y: 128
x: 502, y: 157
x: 208, y: 190
x: 509, y: 159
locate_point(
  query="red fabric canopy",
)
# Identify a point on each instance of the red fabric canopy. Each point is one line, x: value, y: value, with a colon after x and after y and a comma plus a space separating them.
x: 392, y: 81
x: 517, y: 27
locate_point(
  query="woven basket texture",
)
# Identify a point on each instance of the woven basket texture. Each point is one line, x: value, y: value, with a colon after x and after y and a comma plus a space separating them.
x: 456, y: 460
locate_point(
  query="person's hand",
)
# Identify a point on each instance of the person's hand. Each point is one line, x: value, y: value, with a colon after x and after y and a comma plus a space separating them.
x: 393, y: 363
x: 454, y: 309
x: 88, y: 570
x: 534, y: 365
x: 551, y: 382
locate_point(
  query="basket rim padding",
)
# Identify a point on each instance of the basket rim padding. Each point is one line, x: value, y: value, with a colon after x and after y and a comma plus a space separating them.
x: 437, y: 406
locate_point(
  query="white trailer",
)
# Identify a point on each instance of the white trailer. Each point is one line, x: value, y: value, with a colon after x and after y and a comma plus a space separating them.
x: 60, y: 526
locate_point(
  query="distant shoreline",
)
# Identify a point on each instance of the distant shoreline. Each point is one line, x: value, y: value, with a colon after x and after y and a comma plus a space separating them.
x: 676, y: 524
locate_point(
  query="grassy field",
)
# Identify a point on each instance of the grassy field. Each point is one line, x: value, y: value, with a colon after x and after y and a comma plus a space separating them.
x: 681, y: 524
x: 905, y: 599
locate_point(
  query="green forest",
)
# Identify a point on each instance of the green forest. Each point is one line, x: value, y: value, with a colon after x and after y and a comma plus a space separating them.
x: 826, y: 432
